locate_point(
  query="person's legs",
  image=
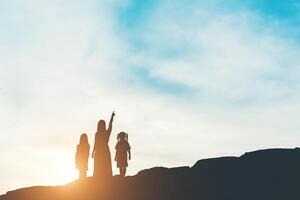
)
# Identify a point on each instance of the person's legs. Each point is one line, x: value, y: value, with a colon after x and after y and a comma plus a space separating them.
x: 120, y: 169
x: 124, y: 171
x: 82, y: 174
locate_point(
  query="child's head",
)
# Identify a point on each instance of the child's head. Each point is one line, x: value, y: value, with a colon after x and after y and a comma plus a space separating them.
x: 101, y: 126
x: 122, y: 136
x: 84, y: 139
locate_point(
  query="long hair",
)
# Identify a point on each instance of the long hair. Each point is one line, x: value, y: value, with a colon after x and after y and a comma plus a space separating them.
x: 84, y: 139
x: 101, y: 126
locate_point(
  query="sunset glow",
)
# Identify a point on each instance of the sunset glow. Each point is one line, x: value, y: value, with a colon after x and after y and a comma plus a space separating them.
x: 187, y: 80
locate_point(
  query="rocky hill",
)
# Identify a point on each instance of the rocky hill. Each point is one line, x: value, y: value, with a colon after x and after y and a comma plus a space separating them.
x: 260, y: 175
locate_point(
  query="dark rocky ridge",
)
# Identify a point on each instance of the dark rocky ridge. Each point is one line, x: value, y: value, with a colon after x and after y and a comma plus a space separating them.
x: 260, y: 175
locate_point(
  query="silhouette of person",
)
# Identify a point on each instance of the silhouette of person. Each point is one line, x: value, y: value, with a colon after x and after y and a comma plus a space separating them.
x: 101, y: 152
x: 82, y: 155
x: 122, y: 148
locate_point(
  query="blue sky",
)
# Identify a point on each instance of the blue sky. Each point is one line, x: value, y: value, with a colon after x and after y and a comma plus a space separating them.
x: 163, y: 30
x: 187, y: 79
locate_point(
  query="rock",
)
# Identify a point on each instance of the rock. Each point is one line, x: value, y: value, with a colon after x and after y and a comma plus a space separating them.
x: 265, y: 174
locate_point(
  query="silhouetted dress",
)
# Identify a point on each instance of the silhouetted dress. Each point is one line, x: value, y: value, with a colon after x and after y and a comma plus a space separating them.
x: 122, y: 147
x: 82, y: 156
x: 102, y: 157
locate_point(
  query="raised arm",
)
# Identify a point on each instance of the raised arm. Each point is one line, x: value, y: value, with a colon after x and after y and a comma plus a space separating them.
x: 110, y: 123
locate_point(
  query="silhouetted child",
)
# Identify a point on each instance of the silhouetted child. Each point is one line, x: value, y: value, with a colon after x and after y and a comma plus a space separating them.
x: 82, y: 155
x: 122, y: 150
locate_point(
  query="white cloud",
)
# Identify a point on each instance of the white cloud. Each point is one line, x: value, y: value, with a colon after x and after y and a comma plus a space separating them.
x: 53, y: 83
x: 231, y: 58
x: 244, y: 73
x: 66, y: 73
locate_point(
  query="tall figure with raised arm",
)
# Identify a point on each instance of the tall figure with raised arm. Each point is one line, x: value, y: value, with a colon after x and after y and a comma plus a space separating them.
x: 101, y: 152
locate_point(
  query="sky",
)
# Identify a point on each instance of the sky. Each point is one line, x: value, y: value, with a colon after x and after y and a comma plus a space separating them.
x: 188, y: 80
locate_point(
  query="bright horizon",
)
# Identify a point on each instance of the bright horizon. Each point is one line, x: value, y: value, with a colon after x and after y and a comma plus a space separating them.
x: 187, y: 80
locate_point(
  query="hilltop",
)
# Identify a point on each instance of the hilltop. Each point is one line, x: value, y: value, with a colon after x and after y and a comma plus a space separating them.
x: 265, y: 174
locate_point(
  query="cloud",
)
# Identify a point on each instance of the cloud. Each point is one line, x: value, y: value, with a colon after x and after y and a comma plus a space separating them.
x: 234, y: 58
x: 187, y: 81
x: 57, y: 62
x: 241, y: 69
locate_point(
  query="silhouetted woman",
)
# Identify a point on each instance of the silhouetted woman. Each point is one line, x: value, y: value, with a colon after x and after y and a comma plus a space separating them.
x: 101, y: 152
x: 82, y: 155
x: 122, y: 152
